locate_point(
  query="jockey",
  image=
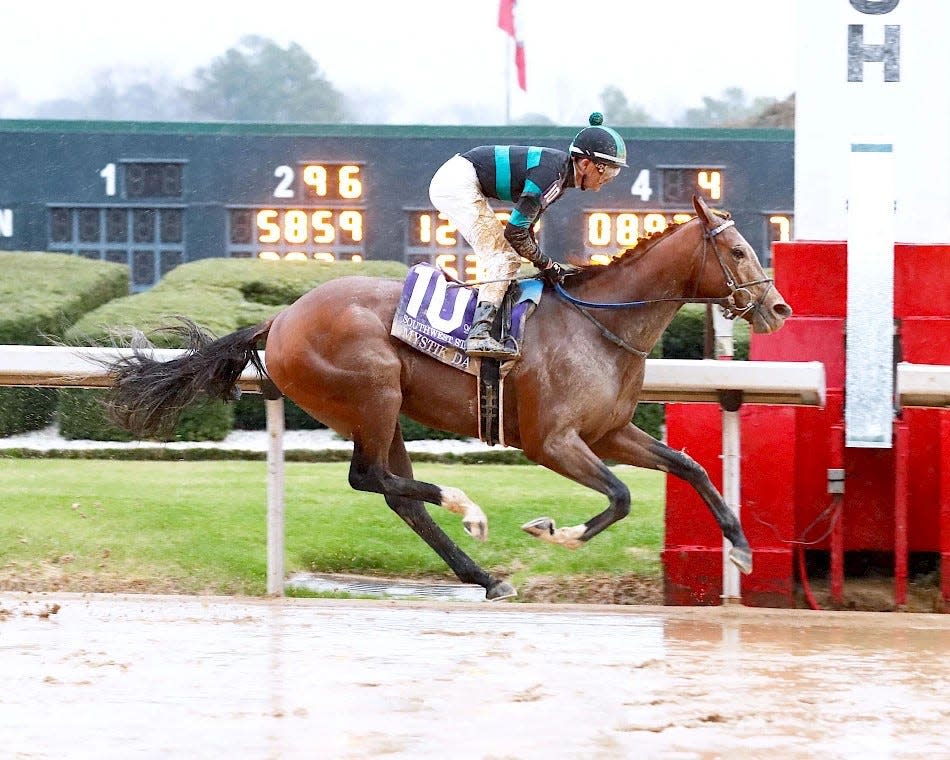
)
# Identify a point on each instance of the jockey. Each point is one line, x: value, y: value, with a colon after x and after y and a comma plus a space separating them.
x: 531, y: 178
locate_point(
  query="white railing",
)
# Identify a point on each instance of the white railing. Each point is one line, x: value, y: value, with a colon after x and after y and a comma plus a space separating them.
x: 923, y: 384
x: 665, y: 380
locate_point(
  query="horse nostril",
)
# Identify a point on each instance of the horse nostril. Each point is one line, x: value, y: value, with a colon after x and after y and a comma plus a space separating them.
x: 783, y: 310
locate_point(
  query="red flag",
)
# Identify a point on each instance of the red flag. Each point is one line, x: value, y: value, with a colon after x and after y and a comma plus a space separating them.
x: 506, y: 16
x: 507, y: 23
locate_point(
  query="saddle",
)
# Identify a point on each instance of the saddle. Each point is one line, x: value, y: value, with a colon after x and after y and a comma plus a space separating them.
x: 434, y: 316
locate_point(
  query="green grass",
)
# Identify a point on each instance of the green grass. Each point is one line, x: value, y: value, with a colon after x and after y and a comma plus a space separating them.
x: 200, y: 526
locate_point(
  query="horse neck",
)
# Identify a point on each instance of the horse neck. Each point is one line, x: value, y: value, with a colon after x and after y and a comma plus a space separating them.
x: 663, y: 270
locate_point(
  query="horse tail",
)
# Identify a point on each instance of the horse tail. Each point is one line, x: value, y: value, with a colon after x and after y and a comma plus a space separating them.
x: 149, y: 395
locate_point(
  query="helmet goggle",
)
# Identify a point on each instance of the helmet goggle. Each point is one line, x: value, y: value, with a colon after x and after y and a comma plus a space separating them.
x: 608, y: 170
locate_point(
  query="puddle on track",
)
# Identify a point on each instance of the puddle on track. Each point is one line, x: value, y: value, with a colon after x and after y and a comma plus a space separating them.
x: 170, y: 676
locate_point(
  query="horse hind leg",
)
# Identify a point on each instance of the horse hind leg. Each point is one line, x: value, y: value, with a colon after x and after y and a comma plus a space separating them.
x: 569, y: 456
x: 372, y: 473
x: 405, y: 496
x: 414, y: 514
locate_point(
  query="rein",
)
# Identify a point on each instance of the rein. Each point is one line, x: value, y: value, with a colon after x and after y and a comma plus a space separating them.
x: 730, y: 305
x: 631, y: 304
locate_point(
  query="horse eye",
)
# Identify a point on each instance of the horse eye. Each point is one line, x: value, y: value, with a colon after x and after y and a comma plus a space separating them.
x: 738, y: 253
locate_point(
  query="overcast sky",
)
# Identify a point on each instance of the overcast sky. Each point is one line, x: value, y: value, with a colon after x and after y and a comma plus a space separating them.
x: 421, y: 61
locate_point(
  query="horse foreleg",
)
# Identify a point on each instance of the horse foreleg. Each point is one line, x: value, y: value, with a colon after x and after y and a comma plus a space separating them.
x: 569, y: 456
x: 414, y: 513
x: 632, y: 446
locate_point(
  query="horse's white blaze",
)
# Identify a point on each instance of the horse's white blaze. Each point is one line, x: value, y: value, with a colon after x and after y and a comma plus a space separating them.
x: 473, y: 518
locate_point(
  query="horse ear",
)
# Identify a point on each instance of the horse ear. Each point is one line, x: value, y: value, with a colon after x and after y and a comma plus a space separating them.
x: 702, y: 210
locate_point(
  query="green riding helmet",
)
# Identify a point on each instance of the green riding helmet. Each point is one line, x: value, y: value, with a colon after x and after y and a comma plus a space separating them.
x: 599, y: 143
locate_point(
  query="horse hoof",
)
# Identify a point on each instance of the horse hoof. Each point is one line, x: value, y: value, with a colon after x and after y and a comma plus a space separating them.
x: 741, y: 558
x: 542, y: 526
x: 501, y: 590
x: 476, y: 529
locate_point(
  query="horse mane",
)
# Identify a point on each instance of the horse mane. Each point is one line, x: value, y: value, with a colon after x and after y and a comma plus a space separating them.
x: 585, y: 272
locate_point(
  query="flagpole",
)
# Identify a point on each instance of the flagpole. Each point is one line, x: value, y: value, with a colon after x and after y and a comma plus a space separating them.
x: 509, y: 53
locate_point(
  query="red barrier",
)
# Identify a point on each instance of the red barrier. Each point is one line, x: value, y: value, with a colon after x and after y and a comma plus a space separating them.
x: 944, y: 453
x: 692, y: 557
x: 895, y: 500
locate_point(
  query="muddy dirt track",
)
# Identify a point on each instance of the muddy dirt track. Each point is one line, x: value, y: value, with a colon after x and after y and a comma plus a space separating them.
x: 103, y: 676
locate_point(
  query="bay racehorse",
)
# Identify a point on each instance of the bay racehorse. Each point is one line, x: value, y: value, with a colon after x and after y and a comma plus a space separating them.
x: 568, y: 401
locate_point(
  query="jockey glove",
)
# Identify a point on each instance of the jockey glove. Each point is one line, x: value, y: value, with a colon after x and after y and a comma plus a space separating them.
x: 551, y: 270
x: 554, y: 272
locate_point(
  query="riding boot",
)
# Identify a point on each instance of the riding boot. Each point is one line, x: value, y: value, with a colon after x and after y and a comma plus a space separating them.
x: 480, y: 342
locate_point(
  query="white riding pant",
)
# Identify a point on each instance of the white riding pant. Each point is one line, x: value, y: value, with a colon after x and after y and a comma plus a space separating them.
x: 455, y: 192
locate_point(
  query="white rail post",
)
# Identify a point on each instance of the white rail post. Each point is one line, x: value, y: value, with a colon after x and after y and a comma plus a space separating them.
x: 730, y: 401
x: 274, y: 404
x: 723, y: 344
x: 731, y: 465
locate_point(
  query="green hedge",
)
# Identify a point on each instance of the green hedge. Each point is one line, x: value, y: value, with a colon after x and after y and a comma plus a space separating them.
x: 221, y: 295
x: 649, y: 417
x: 81, y: 417
x: 46, y: 293
x: 415, y: 431
x: 685, y: 337
x: 250, y: 414
x: 26, y: 409
x: 42, y: 295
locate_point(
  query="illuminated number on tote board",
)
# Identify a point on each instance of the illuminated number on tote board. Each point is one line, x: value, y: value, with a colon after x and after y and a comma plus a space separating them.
x: 680, y: 183
x: 323, y: 230
x: 350, y: 185
x: 711, y: 182
x: 298, y: 226
x: 324, y: 181
x: 778, y: 229
x: 622, y: 229
x: 268, y: 230
x: 315, y: 177
x: 352, y: 222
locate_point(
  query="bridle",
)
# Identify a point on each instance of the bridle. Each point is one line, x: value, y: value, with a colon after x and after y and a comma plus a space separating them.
x: 731, y: 306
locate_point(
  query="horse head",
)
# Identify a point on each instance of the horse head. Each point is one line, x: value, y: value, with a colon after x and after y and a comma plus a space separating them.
x: 734, y: 274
